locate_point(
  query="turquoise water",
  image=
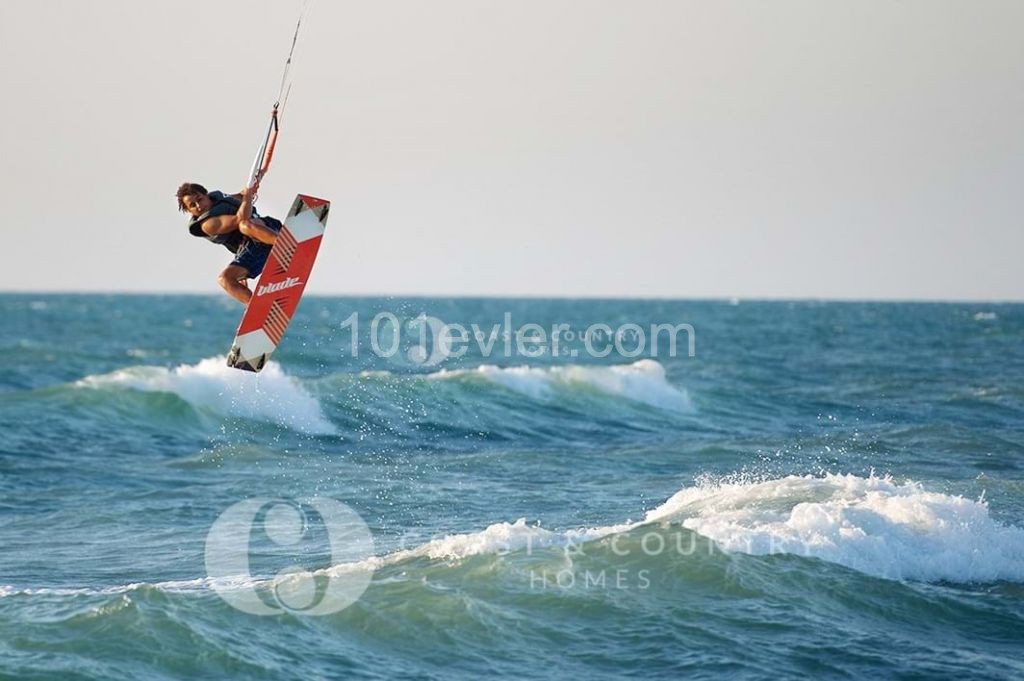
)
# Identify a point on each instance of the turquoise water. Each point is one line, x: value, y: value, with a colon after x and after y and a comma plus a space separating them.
x: 822, y: 489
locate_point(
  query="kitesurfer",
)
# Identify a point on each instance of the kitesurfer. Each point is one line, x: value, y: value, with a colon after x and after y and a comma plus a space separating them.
x: 229, y: 220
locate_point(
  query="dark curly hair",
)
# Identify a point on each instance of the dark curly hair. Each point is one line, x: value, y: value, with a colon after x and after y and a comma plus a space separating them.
x: 188, y: 189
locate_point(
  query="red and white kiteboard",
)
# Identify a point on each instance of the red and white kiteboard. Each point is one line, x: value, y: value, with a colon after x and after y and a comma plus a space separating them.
x: 281, y: 285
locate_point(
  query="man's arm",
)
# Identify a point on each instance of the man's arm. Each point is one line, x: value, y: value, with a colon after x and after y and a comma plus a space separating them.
x: 250, y: 226
x: 222, y: 224
x: 245, y: 209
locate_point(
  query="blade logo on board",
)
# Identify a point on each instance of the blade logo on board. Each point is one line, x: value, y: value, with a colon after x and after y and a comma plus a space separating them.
x: 267, y: 317
x: 280, y: 286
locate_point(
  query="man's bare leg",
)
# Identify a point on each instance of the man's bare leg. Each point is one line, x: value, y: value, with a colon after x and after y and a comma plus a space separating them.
x: 234, y: 280
x: 254, y: 228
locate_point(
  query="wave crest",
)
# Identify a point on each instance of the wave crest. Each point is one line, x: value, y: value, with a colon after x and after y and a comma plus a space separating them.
x: 642, y: 381
x: 873, y: 525
x: 210, y: 384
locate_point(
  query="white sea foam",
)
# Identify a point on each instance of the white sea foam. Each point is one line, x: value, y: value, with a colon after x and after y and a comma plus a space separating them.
x: 874, y: 525
x: 171, y: 586
x: 496, y: 539
x: 270, y: 395
x: 503, y: 538
x: 985, y: 316
x: 643, y: 381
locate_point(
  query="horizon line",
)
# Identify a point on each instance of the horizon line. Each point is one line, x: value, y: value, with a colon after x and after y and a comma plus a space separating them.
x: 537, y: 296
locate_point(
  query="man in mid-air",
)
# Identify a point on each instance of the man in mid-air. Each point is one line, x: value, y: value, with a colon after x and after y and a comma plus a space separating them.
x: 230, y: 220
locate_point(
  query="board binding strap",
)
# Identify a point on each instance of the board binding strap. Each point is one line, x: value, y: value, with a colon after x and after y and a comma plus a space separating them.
x: 280, y: 287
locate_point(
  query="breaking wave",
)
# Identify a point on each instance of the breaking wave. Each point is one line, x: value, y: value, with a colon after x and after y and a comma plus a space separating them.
x: 210, y: 384
x: 643, y: 381
x: 873, y: 525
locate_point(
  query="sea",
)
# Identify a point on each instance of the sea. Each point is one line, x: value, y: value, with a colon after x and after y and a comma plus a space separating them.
x: 436, y: 488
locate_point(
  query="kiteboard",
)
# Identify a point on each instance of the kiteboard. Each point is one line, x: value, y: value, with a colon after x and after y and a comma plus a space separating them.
x: 280, y: 287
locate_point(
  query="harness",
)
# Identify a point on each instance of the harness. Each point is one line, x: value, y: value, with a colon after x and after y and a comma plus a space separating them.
x: 222, y: 205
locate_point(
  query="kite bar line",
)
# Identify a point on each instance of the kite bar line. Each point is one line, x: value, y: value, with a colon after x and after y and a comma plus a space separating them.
x: 266, y: 151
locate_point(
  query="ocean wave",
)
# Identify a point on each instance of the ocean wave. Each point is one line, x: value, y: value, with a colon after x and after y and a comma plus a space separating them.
x: 642, y: 381
x: 497, y: 539
x: 502, y: 538
x: 172, y: 586
x: 874, y: 525
x: 210, y: 384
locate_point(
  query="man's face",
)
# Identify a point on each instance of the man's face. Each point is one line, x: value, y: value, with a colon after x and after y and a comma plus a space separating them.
x: 196, y: 204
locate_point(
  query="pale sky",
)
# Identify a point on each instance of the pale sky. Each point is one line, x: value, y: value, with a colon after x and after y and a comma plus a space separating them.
x: 669, y: 148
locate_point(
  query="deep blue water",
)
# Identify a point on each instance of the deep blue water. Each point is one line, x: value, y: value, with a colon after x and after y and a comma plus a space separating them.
x: 822, y: 489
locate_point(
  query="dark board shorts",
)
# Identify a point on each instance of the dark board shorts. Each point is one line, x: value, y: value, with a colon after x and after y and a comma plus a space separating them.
x: 252, y: 254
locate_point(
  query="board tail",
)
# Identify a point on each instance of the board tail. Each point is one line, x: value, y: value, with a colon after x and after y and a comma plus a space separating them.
x: 280, y: 287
